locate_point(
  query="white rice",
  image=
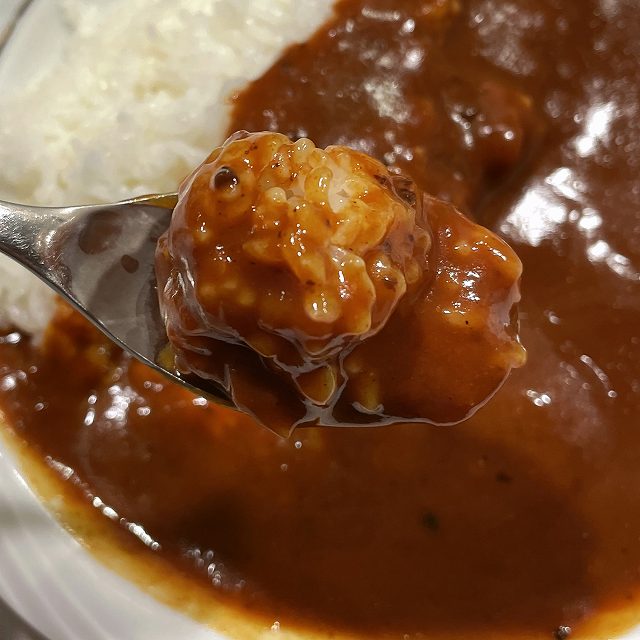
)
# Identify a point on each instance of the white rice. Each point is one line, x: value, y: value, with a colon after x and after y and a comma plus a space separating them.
x: 138, y: 97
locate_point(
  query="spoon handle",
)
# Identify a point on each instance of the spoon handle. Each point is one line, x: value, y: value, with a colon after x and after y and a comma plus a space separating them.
x: 24, y: 231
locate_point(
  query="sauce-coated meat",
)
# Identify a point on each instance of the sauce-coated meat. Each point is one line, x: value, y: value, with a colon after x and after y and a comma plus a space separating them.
x: 288, y: 270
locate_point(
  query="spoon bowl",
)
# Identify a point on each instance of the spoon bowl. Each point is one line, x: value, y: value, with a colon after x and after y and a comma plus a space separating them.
x: 100, y: 258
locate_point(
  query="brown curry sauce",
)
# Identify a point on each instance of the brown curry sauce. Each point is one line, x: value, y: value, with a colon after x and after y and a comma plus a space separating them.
x: 525, y: 518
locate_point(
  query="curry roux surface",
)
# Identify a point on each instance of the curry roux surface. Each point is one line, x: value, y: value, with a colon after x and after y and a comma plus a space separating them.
x: 523, y: 519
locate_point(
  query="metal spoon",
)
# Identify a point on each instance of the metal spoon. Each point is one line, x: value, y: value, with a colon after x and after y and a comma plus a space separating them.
x: 101, y: 259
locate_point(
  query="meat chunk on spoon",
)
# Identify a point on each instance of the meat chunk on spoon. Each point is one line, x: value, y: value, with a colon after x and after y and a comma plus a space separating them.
x: 317, y: 287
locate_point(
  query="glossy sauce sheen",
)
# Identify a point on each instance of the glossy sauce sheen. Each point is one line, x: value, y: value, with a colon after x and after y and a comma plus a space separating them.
x: 525, y: 518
